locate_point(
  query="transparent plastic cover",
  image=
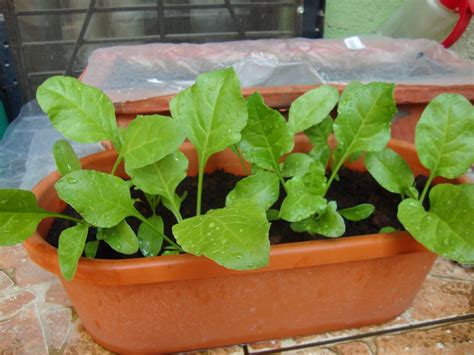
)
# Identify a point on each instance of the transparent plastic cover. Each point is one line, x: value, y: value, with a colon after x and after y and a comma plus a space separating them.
x: 26, y: 150
x: 137, y: 72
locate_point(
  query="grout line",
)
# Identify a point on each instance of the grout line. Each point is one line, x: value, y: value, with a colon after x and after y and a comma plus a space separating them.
x: 451, y: 320
x: 450, y: 278
x: 246, y: 349
x: 45, y: 329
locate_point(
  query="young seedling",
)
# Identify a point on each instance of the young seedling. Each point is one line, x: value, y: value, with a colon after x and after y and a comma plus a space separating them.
x: 362, y: 125
x: 211, y: 113
x: 444, y: 140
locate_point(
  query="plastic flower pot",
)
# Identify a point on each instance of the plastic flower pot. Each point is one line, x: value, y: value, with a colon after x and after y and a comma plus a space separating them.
x: 184, y: 302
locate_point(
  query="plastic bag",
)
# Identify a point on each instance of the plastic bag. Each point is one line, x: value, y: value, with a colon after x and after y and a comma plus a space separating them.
x: 26, y: 150
x: 141, y: 71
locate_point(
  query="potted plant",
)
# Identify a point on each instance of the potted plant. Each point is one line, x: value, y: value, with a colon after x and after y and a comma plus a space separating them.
x: 235, y: 287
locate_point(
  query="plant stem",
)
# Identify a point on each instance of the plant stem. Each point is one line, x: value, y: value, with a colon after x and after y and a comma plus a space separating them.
x: 202, y: 165
x: 175, y: 210
x: 152, y: 202
x: 144, y: 220
x: 117, y: 144
x: 241, y: 159
x: 427, y: 185
x: 403, y: 195
x: 170, y: 247
x: 335, y: 170
x: 116, y: 165
x: 282, y: 181
x: 63, y: 216
x: 178, y: 215
x: 276, y: 167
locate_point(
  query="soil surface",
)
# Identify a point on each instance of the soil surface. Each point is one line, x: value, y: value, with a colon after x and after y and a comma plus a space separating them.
x: 352, y: 189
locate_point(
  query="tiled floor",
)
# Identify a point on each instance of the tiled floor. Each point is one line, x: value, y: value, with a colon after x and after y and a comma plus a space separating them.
x: 36, y: 317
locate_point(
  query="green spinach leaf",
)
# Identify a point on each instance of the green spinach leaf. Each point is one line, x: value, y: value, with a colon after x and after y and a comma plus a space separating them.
x: 364, y: 116
x: 315, y: 179
x: 71, y: 245
x: 212, y: 111
x: 162, y: 178
x: 469, y: 192
x: 446, y: 229
x: 91, y: 248
x: 149, y: 240
x: 235, y: 237
x: 413, y: 192
x: 255, y: 169
x: 318, y: 136
x: 357, y: 213
x: 388, y: 229
x: 121, y: 238
x: 390, y: 170
x: 262, y: 189
x: 444, y: 136
x: 329, y: 224
x: 312, y: 107
x: 65, y: 157
x: 170, y: 252
x: 149, y: 139
x: 266, y: 137
x: 273, y: 215
x: 301, y: 202
x: 19, y: 215
x: 101, y: 199
x: 296, y: 164
x: 79, y: 111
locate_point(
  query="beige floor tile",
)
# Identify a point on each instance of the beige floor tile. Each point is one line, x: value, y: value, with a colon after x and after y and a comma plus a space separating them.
x: 317, y: 351
x: 446, y: 340
x: 442, y: 298
x: 14, y: 303
x: 451, y: 269
x: 231, y: 350
x: 5, y: 281
x: 451, y: 339
x: 353, y: 348
x: 57, y: 323
x: 23, y: 333
x: 56, y: 294
x: 80, y: 342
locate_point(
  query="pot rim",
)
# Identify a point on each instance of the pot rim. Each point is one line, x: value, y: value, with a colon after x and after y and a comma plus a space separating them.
x: 283, y: 96
x: 187, y: 266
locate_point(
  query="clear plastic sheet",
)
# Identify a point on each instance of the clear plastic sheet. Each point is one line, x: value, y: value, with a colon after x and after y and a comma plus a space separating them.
x: 141, y: 71
x: 137, y: 72
x: 26, y: 150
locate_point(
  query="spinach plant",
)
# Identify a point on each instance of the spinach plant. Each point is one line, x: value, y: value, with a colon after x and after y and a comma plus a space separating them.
x: 444, y: 142
x: 211, y: 114
x: 362, y: 125
x: 444, y: 139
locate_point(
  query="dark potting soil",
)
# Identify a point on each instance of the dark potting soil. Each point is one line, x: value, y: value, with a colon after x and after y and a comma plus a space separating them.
x: 352, y: 189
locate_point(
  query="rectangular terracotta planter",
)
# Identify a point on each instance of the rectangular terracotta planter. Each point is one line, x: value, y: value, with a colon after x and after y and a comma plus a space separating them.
x: 411, y: 100
x: 184, y: 302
